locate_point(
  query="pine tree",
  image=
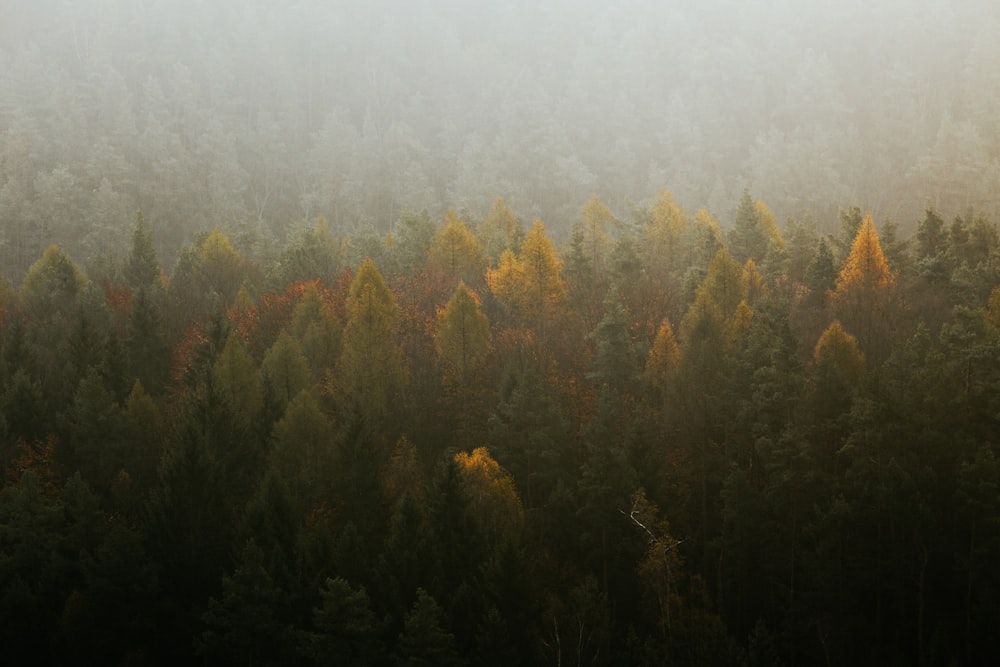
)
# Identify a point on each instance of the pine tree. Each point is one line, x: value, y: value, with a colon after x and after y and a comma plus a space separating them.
x: 142, y: 267
x: 748, y: 239
x: 424, y: 641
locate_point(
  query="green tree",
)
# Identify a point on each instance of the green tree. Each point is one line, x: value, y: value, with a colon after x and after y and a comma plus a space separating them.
x: 142, y: 267
x: 237, y: 381
x: 285, y: 370
x: 371, y: 367
x: 318, y: 331
x: 425, y: 641
x: 748, y: 238
x: 244, y: 624
x: 52, y: 285
x: 346, y: 631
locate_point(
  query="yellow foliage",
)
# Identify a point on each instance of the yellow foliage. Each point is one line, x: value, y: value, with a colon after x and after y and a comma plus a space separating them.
x: 840, y: 349
x: 507, y: 281
x: 668, y: 217
x: 865, y: 267
x: 530, y: 284
x: 491, y: 493
x: 455, y: 250
x: 663, y: 236
x: 755, y: 285
x: 663, y: 356
x: 769, y: 224
x: 741, y: 319
x: 542, y: 269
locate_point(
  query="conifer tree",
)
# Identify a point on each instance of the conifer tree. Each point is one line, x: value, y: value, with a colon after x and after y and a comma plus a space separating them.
x: 142, y: 268
x: 462, y: 336
x: 370, y: 361
x: 499, y: 230
x: 865, y: 289
x: 455, y: 251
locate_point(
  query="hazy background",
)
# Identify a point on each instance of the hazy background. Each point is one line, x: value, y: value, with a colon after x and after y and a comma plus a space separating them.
x: 256, y: 116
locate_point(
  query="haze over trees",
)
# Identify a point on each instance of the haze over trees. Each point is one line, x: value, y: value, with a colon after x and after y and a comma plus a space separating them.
x: 257, y: 118
x: 452, y: 334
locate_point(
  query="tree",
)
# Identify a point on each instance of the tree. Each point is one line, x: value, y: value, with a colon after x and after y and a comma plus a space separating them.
x: 145, y: 343
x: 615, y: 362
x: 462, y: 336
x: 346, y: 631
x: 285, y: 370
x: 543, y: 286
x: 663, y: 236
x: 593, y: 226
x: 370, y: 362
x: 237, y: 380
x: 142, y: 267
x: 52, y: 284
x: 413, y: 238
x: 748, y: 238
x: 663, y: 357
x: 304, y: 451
x: 865, y: 290
x: 455, y: 251
x: 317, y: 330
x: 424, y: 641
x: 499, y: 230
x: 492, y: 496
x: 244, y: 622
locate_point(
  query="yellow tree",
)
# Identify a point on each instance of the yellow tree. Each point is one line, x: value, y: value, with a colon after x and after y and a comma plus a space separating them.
x: 769, y: 225
x: 492, y: 496
x: 462, y: 336
x: 52, y: 284
x: 663, y: 236
x: 370, y: 361
x: 530, y: 285
x: 455, y: 251
x: 663, y: 356
x: 544, y: 288
x: 864, y: 295
x: 838, y: 367
x: 725, y: 283
x: 220, y: 268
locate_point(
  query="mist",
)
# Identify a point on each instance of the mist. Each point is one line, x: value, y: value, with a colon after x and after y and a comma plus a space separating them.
x: 209, y: 114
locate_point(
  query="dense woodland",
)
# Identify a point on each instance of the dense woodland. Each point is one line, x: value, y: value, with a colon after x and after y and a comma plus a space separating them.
x: 284, y: 381
x: 662, y: 442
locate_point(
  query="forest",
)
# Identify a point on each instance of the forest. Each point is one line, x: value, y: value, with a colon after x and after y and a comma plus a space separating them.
x: 461, y: 333
x: 662, y: 443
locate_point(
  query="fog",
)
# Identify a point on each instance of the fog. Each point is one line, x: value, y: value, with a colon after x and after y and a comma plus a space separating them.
x: 262, y: 115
